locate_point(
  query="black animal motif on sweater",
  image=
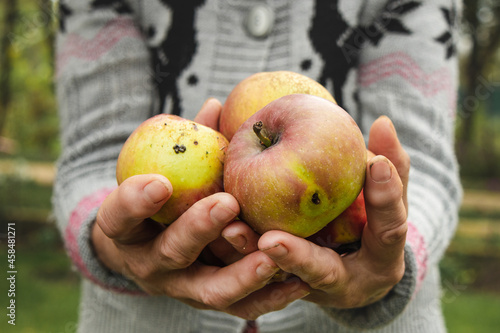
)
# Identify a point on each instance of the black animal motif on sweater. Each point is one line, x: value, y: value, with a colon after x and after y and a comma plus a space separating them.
x: 339, y: 44
x: 176, y: 51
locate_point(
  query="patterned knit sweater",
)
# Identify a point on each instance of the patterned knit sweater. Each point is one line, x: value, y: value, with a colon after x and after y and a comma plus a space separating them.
x: 120, y: 62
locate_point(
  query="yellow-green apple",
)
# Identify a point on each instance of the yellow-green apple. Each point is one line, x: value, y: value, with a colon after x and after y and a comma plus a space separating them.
x: 256, y: 91
x: 348, y: 226
x: 189, y: 154
x: 295, y: 165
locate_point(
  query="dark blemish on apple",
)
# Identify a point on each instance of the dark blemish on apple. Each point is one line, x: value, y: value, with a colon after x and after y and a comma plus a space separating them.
x: 165, y: 124
x: 179, y: 148
x: 315, y: 198
x: 195, y: 143
x: 195, y: 127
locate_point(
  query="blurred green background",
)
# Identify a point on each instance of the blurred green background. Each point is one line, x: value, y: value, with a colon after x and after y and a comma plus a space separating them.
x: 47, y: 289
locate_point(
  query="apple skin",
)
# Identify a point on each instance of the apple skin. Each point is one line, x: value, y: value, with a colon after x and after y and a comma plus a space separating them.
x: 256, y: 91
x: 345, y: 228
x: 311, y: 174
x: 189, y: 154
x: 348, y: 226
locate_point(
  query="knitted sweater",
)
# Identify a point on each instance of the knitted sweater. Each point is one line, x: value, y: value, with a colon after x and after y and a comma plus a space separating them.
x: 120, y: 62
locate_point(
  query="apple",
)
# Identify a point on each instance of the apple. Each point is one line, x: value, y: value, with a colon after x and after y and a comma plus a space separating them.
x: 345, y: 228
x: 256, y: 91
x: 189, y: 154
x: 295, y: 165
x: 348, y: 226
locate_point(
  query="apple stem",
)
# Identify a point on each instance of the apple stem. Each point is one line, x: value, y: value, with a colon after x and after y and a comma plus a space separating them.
x: 264, y: 140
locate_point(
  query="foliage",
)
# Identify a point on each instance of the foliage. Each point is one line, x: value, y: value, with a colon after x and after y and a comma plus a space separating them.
x: 478, y: 144
x: 31, y: 116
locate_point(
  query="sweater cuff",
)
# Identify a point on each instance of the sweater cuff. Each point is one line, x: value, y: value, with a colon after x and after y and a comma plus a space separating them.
x: 77, y: 237
x: 386, y: 310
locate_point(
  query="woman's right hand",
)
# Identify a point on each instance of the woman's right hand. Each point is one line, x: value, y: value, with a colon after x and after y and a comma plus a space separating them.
x: 164, y: 260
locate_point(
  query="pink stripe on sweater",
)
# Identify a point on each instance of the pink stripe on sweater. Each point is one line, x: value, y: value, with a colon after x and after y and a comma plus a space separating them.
x: 81, y: 214
x: 75, y: 46
x: 78, y: 216
x: 417, y: 243
x: 402, y: 65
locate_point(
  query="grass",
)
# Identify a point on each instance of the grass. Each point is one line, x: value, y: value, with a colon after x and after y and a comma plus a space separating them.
x: 472, y: 311
x: 46, y: 290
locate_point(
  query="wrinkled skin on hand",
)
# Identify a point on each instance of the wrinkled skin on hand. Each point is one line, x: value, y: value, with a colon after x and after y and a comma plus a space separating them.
x: 165, y: 260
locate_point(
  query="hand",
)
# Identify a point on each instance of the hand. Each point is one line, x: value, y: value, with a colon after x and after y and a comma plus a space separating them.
x: 164, y: 260
x: 367, y: 275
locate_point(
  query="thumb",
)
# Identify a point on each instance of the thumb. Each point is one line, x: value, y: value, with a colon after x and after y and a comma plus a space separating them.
x: 122, y: 214
x: 209, y: 114
x: 384, y: 140
x: 384, y: 236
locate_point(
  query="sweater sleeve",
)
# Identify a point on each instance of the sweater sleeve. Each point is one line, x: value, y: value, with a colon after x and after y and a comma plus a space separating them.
x: 408, y: 72
x: 104, y: 92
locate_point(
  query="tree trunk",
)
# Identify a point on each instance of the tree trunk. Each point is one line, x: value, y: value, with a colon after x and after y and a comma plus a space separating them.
x: 9, y: 19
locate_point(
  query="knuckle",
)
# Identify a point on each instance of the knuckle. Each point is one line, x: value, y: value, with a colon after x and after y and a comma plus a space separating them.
x: 326, y: 281
x: 394, y: 235
x: 214, y: 299
x: 139, y: 271
x: 107, y: 224
x: 171, y: 254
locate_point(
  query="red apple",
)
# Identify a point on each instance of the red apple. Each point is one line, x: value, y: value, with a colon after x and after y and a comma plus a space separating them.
x: 295, y: 165
x: 348, y: 226
x: 345, y: 228
x: 258, y: 90
x: 189, y: 154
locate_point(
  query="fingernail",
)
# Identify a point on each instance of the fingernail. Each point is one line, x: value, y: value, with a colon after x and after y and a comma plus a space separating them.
x: 380, y: 171
x: 237, y: 241
x: 221, y: 214
x: 156, y: 191
x: 276, y: 251
x: 265, y: 271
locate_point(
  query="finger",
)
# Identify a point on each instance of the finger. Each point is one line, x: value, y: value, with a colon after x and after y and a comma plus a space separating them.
x: 237, y: 240
x: 121, y: 216
x: 385, y: 233
x: 272, y: 297
x: 223, y: 253
x: 383, y: 140
x: 319, y: 267
x: 241, y: 237
x: 209, y: 113
x: 182, y: 242
x: 231, y: 288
